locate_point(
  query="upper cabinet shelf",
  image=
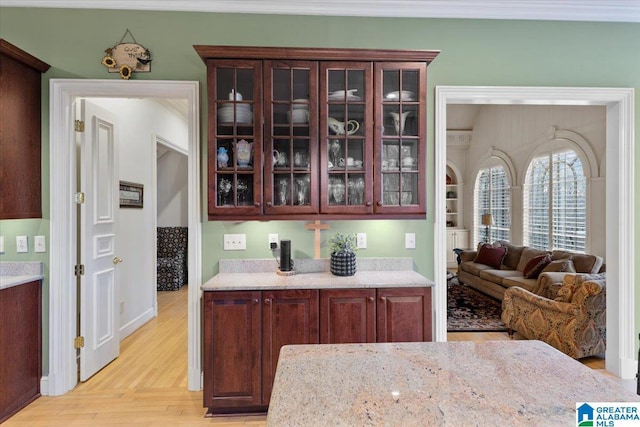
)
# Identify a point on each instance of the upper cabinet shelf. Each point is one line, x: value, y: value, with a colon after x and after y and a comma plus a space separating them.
x: 316, y: 133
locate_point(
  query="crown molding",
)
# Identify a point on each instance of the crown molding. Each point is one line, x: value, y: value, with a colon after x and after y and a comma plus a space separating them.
x: 546, y: 10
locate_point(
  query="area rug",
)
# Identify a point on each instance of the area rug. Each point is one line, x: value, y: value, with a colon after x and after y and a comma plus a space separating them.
x: 469, y: 310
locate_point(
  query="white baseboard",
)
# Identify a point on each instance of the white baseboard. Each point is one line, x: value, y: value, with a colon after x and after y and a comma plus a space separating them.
x: 195, y: 380
x: 136, y: 323
x: 44, y: 386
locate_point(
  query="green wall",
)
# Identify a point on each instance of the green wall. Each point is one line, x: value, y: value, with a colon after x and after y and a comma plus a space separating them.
x: 473, y: 52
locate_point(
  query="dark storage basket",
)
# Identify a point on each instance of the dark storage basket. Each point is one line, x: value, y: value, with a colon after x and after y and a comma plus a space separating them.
x: 343, y: 263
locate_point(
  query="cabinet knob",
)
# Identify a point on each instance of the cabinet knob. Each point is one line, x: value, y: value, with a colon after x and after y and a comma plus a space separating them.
x: 255, y: 301
x: 370, y: 299
x: 257, y: 204
x: 379, y: 202
x: 267, y: 301
x: 383, y: 298
x: 368, y: 203
x: 269, y: 204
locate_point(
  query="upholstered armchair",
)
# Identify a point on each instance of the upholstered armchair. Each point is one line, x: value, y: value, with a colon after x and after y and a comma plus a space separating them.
x: 570, y: 317
x: 171, y: 258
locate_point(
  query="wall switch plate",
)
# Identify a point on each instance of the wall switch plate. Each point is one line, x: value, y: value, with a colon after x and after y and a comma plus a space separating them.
x: 410, y: 240
x: 1, y: 244
x: 361, y: 240
x: 22, y: 244
x: 235, y: 242
x: 39, y: 244
x: 273, y: 241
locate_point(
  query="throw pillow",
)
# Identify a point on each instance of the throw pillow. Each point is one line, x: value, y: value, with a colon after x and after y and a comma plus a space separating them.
x: 560, y: 265
x: 488, y: 255
x: 535, y: 266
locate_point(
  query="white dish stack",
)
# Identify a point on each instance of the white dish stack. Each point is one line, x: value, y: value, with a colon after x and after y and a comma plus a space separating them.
x: 243, y: 113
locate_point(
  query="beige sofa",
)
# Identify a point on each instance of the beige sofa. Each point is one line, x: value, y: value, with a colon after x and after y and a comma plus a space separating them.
x: 495, y: 281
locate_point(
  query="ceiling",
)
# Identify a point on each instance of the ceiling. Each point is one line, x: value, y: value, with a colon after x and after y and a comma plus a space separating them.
x: 549, y: 10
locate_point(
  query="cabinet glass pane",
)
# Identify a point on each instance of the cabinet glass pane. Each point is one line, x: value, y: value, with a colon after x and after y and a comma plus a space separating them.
x: 355, y: 193
x: 337, y: 191
x: 234, y: 190
x: 282, y: 190
x: 400, y: 85
x: 302, y: 191
x: 400, y: 119
x: 234, y: 84
x: 346, y: 86
x: 301, y: 154
x: 409, y: 189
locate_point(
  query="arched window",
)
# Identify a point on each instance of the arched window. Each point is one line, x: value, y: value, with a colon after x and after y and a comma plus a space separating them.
x: 492, y: 196
x: 554, y: 202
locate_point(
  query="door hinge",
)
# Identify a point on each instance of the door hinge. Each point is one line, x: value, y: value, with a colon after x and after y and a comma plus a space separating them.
x: 78, y: 126
x: 78, y: 342
x: 79, y: 270
x: 78, y: 198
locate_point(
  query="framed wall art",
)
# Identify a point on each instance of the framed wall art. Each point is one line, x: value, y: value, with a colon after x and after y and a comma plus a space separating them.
x: 131, y: 195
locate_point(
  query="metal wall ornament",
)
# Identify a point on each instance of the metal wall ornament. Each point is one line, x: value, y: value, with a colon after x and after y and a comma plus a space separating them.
x: 127, y: 58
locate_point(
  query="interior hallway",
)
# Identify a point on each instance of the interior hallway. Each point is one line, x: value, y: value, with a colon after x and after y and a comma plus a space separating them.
x: 147, y: 384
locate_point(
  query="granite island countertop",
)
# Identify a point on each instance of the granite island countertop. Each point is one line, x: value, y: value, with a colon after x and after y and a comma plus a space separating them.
x: 261, y: 274
x: 445, y: 383
x: 15, y: 273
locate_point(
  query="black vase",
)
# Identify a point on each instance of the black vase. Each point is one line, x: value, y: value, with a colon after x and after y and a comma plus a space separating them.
x: 343, y: 263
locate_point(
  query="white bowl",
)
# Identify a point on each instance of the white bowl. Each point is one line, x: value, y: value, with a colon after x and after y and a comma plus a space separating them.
x: 395, y: 96
x: 243, y: 115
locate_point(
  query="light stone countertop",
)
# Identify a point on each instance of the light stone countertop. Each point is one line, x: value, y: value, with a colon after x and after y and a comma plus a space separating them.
x: 15, y: 273
x: 236, y: 275
x: 501, y: 383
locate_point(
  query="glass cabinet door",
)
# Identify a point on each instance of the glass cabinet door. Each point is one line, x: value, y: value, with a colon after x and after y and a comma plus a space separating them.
x: 346, y: 132
x: 400, y: 138
x: 235, y: 137
x: 291, y: 137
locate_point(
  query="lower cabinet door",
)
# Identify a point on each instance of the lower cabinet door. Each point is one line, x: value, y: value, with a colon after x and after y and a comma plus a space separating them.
x: 288, y: 317
x: 347, y: 316
x: 232, y: 356
x: 404, y: 315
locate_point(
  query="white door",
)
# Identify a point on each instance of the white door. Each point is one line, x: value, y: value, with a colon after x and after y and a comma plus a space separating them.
x: 99, y: 321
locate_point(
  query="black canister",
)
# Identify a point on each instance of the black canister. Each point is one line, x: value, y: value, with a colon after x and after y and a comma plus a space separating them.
x: 285, y: 255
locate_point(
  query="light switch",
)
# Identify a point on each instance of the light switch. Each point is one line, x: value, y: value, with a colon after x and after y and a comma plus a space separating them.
x: 410, y: 240
x: 235, y: 242
x: 39, y: 244
x: 22, y: 244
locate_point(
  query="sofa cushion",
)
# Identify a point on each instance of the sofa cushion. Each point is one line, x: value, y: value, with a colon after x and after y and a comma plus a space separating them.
x: 496, y: 276
x: 513, y: 254
x: 473, y: 267
x: 560, y: 265
x: 528, y: 284
x: 490, y: 256
x: 527, y: 254
x: 535, y: 266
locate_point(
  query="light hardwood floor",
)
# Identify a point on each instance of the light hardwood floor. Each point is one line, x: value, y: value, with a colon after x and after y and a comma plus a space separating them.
x: 147, y: 384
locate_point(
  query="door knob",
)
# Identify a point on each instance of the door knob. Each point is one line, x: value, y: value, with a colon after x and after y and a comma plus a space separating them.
x: 117, y: 260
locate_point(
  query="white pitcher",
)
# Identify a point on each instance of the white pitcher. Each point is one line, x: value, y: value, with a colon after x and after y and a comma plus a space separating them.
x: 340, y: 128
x: 398, y: 121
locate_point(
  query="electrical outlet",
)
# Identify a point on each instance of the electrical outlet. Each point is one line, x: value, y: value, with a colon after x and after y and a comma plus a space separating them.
x: 39, y: 244
x: 22, y: 244
x: 273, y: 241
x: 235, y: 242
x: 410, y: 240
x: 1, y: 244
x: 361, y: 240
x: 122, y: 306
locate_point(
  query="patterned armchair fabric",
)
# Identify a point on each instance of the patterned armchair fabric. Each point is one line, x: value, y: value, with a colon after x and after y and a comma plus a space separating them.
x: 572, y: 318
x: 172, y: 258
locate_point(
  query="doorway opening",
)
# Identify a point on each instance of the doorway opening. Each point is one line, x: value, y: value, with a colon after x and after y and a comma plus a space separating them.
x: 61, y: 376
x: 620, y: 199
